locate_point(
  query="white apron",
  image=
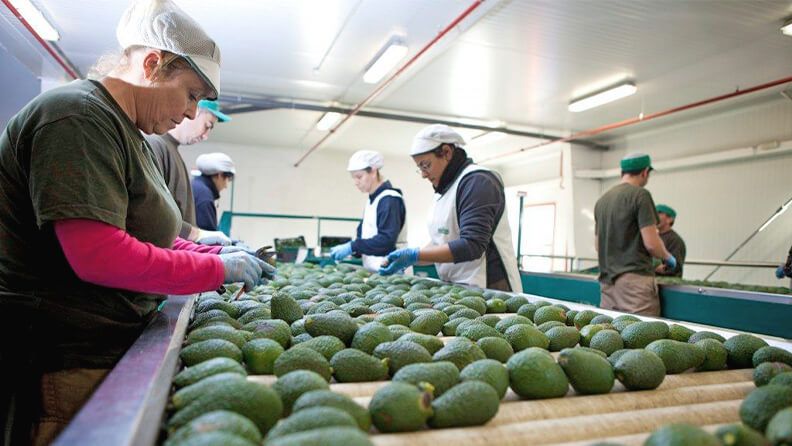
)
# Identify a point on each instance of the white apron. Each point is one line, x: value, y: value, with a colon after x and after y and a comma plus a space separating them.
x: 444, y: 227
x: 369, y: 229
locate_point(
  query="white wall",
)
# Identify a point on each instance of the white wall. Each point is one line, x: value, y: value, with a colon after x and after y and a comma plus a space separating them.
x: 267, y: 182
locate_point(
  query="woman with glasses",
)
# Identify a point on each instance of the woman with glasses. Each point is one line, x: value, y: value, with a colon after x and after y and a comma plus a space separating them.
x: 469, y: 229
x: 383, y: 228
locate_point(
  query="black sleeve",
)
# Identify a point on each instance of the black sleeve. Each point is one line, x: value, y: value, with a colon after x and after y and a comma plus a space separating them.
x: 206, y: 215
x: 390, y: 219
x: 480, y: 205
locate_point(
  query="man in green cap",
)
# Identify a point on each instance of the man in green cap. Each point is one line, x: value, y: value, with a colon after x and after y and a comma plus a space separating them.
x: 672, y: 241
x: 171, y: 164
x: 627, y: 238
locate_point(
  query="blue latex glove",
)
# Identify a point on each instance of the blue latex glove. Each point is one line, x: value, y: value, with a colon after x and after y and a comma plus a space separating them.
x: 670, y: 263
x: 237, y: 248
x: 780, y: 272
x: 243, y: 267
x: 339, y: 252
x: 213, y: 238
x: 399, y: 260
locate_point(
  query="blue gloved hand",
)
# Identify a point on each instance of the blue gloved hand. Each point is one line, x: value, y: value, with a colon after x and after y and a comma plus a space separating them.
x: 780, y: 272
x: 237, y: 248
x: 213, y: 238
x: 670, y: 262
x: 399, y: 260
x: 243, y: 267
x: 339, y: 252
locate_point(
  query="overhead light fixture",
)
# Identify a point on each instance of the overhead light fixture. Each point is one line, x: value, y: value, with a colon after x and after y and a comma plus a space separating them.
x: 385, y: 60
x: 36, y: 20
x: 327, y: 121
x: 787, y: 29
x: 603, y: 97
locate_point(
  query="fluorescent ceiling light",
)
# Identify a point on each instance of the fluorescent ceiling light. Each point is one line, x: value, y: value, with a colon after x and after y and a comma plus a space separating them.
x: 385, y: 63
x: 36, y: 20
x: 327, y: 121
x: 787, y: 29
x: 603, y: 97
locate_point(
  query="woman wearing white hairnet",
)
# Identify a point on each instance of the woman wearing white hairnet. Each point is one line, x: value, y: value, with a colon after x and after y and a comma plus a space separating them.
x: 88, y: 229
x: 383, y: 228
x: 217, y: 171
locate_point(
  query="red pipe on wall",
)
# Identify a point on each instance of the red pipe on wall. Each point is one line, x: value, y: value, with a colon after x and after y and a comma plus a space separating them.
x: 383, y: 85
x: 640, y: 119
x: 43, y: 42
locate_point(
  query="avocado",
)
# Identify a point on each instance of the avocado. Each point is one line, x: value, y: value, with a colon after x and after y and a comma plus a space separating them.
x: 589, y: 373
x: 508, y: 321
x: 309, y: 419
x: 327, y: 436
x: 351, y: 365
x: 495, y: 305
x: 534, y: 374
x: 498, y: 349
x: 334, y: 323
x: 681, y: 435
x: 370, y: 335
x: 205, y: 369
x: 475, y: 303
x: 257, y: 314
x: 225, y: 332
x: 550, y: 324
x: 679, y: 333
x: 779, y: 429
x: 601, y: 319
x: 489, y: 371
x: 470, y: 403
x: 489, y: 319
x: 431, y: 343
x: 398, y: 316
x: 562, y: 337
x: 187, y: 394
x: 641, y: 334
x: 782, y: 379
x: 297, y: 358
x: 326, y: 345
x: 766, y: 371
x: 714, y: 355
x: 328, y: 398
x: 763, y: 403
x: 219, y: 420
x: 284, y: 307
x: 465, y: 313
x: 429, y: 322
x: 583, y: 318
x: 460, y: 351
x: 741, y: 349
x: 528, y: 310
x: 549, y: 313
x: 274, y: 329
x: 210, y: 438
x: 442, y: 375
x: 400, y: 407
x: 211, y: 348
x: 570, y: 320
x: 217, y: 304
x: 300, y: 338
x: 293, y: 384
x: 739, y: 435
x: 298, y: 327
x: 590, y: 350
x: 259, y: 403
x: 401, y: 353
x: 639, y: 370
x: 523, y: 336
x: 450, y: 327
x: 771, y: 354
x: 587, y: 332
x: 620, y: 324
x: 514, y: 303
x: 477, y: 330
x: 677, y: 356
x: 699, y: 335
x: 607, y: 341
x: 260, y: 355
x: 202, y: 319
x: 398, y: 331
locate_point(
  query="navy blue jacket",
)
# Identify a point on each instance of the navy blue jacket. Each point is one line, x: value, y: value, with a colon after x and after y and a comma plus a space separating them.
x: 390, y: 220
x: 205, y: 194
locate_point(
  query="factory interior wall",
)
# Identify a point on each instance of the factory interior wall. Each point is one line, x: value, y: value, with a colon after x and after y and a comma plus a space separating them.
x: 267, y: 182
x: 25, y: 86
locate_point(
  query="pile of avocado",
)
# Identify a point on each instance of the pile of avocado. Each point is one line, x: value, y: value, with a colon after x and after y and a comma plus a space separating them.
x: 312, y: 325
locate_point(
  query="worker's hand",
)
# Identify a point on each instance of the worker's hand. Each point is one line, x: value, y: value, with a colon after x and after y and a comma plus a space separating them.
x: 243, y: 267
x: 213, y: 238
x: 660, y: 269
x: 780, y: 272
x: 236, y: 248
x: 339, y: 252
x: 399, y: 260
x: 670, y: 262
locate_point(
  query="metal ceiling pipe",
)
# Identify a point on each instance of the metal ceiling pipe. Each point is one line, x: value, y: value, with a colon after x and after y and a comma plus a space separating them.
x: 641, y: 118
x: 387, y: 82
x: 62, y: 61
x: 259, y: 104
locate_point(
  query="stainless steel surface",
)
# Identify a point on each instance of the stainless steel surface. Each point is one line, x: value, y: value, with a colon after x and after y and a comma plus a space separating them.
x: 719, y: 263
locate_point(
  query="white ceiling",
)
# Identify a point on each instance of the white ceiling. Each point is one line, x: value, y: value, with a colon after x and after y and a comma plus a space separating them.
x: 518, y: 61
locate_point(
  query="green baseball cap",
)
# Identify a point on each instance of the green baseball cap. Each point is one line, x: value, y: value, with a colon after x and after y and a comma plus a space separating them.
x: 636, y: 161
x: 668, y: 210
x: 214, y: 108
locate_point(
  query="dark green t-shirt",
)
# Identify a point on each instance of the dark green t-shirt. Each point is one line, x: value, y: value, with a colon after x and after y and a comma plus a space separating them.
x: 619, y: 216
x: 171, y: 164
x: 676, y: 246
x: 73, y: 153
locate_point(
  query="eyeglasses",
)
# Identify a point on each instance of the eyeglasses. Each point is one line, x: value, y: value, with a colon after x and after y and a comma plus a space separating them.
x: 423, y: 167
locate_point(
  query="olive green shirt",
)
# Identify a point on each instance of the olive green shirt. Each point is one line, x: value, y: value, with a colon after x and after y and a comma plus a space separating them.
x: 72, y: 153
x: 676, y: 246
x: 619, y: 216
x: 171, y: 164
